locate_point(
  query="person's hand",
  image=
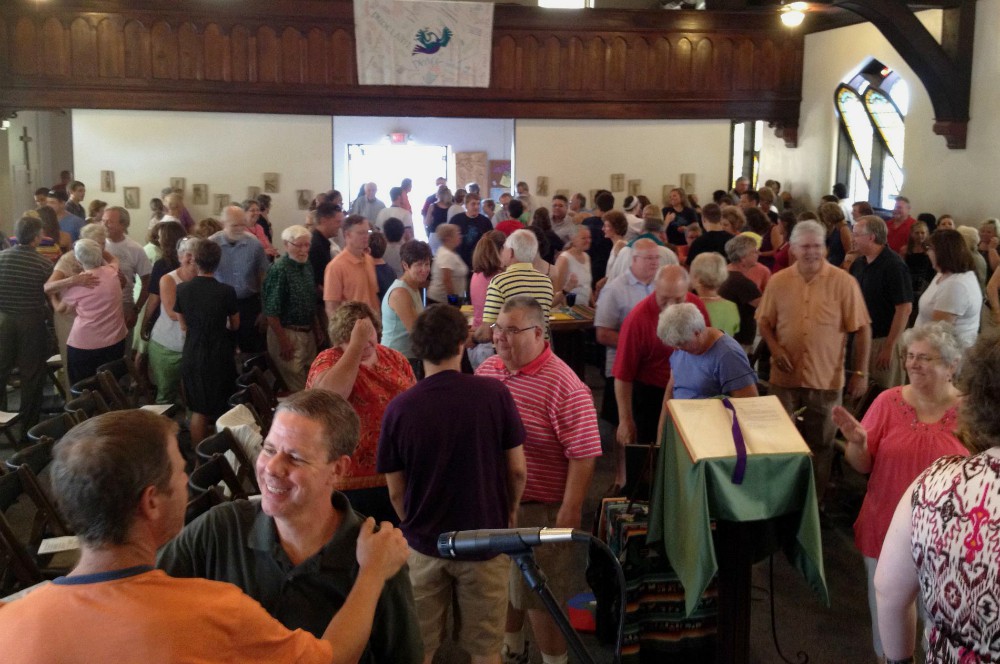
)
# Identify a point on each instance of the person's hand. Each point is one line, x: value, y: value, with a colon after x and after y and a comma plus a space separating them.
x: 783, y: 361
x: 131, y: 316
x: 86, y: 280
x: 287, y: 351
x: 261, y: 323
x: 853, y: 431
x: 572, y: 281
x: 626, y: 431
x: 362, y: 332
x: 884, y: 357
x: 568, y: 517
x: 994, y: 243
x: 693, y: 198
x: 669, y: 217
x: 856, y: 386
x: 146, y: 331
x: 384, y: 551
x: 121, y: 278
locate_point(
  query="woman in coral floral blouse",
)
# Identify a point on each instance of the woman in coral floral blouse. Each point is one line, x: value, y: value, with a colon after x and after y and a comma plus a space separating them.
x: 369, y: 376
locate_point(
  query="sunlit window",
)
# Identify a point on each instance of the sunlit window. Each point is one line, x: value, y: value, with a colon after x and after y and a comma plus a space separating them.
x: 566, y: 4
x: 872, y: 108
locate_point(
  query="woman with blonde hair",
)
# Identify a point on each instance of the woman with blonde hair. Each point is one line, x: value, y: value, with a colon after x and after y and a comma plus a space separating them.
x: 369, y: 375
x: 733, y: 219
x: 677, y: 215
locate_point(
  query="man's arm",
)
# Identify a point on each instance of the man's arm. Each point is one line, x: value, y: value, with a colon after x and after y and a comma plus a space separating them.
x: 517, y: 475
x: 581, y: 472
x: 668, y: 394
x: 607, y: 337
x: 331, y: 307
x: 862, y: 347
x: 380, y: 554
x: 397, y: 492
x: 782, y: 360
x: 900, y: 318
x: 626, y: 425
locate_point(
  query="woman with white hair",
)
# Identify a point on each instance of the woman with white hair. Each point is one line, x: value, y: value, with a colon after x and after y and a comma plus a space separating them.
x: 904, y: 431
x: 572, y: 271
x: 708, y: 273
x: 98, y: 333
x: 449, y: 272
x: 166, y: 340
x: 289, y: 297
x: 706, y: 362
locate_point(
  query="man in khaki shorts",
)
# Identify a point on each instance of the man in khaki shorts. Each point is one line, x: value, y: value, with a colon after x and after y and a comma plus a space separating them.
x: 451, y: 448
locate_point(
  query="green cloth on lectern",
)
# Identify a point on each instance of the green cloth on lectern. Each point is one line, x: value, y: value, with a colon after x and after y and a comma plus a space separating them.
x: 687, y: 495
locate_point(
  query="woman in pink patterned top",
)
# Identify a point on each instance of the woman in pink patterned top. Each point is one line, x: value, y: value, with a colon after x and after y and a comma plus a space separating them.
x: 369, y: 376
x: 944, y: 540
x: 905, y: 430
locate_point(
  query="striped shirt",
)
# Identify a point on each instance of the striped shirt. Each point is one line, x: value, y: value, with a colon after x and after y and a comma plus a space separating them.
x: 23, y: 273
x: 518, y: 279
x: 558, y: 414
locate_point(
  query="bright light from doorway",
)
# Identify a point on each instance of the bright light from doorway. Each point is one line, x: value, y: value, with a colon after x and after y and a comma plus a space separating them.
x: 566, y: 4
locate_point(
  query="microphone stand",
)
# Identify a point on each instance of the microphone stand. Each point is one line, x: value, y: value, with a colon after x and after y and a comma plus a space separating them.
x: 537, y: 581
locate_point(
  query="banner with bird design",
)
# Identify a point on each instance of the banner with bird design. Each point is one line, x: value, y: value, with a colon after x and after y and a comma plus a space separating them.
x: 417, y: 42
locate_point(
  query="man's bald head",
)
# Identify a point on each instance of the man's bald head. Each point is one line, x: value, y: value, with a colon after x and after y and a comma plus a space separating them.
x: 672, y: 285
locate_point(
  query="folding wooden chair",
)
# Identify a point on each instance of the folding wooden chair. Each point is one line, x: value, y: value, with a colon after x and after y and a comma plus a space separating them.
x: 222, y: 442
x: 209, y: 475
x: 125, y: 372
x: 57, y: 426
x: 36, y: 457
x: 7, y: 420
x: 265, y: 364
x: 90, y: 403
x: 253, y: 397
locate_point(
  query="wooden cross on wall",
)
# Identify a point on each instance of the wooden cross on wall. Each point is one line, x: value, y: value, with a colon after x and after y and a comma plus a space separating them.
x: 24, y: 138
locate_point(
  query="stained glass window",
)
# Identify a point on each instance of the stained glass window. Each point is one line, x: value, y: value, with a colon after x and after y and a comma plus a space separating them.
x: 888, y: 120
x: 858, y: 126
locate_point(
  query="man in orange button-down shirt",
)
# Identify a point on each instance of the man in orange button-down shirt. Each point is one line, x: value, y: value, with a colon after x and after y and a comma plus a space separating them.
x: 351, y: 275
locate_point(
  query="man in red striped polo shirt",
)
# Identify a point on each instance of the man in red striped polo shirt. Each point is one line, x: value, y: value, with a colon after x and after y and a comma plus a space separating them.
x: 562, y: 443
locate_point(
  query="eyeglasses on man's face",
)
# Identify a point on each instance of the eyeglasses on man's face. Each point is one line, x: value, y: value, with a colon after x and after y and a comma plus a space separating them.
x: 509, y: 331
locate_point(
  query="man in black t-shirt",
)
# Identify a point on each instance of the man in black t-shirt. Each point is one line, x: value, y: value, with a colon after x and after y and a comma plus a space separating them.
x: 714, y: 238
x: 600, y: 246
x: 472, y: 225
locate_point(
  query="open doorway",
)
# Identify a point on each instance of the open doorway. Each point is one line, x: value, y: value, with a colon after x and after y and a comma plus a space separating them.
x: 387, y: 165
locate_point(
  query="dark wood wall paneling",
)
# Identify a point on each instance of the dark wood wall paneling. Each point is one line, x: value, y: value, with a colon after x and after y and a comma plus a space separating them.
x: 298, y: 56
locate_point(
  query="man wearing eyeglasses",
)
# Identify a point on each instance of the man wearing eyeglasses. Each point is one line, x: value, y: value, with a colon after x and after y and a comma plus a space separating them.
x: 562, y: 442
x: 888, y: 292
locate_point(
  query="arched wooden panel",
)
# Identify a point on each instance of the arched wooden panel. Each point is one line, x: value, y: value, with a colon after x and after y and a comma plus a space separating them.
x: 316, y: 69
x: 342, y: 58
x: 191, y: 53
x: 680, y: 65
x: 110, y: 48
x: 766, y: 67
x: 504, y: 54
x: 138, y: 55
x: 55, y: 48
x: 790, y: 65
x: 268, y: 56
x: 637, y: 65
x: 218, y: 59
x: 528, y: 64
x: 743, y: 65
x: 573, y: 64
x: 4, y: 57
x: 82, y: 48
x: 26, y: 48
x: 722, y: 64
x: 661, y: 53
x: 616, y: 59
x: 239, y: 43
x: 701, y: 77
x: 550, y: 65
x: 593, y: 64
x: 163, y: 44
x: 292, y: 56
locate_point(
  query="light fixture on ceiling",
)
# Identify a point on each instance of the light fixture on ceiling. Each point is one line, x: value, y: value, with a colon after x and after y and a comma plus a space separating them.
x: 793, y: 13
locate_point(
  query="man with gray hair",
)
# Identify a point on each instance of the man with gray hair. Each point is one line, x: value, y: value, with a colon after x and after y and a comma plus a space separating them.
x: 804, y: 317
x: 367, y: 205
x: 119, y: 481
x: 132, y: 261
x: 243, y: 266
x: 519, y: 278
x: 652, y: 231
x: 24, y: 338
x: 293, y: 551
x: 888, y: 291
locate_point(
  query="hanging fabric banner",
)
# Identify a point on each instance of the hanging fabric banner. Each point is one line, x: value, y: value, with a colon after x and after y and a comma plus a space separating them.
x: 416, y: 42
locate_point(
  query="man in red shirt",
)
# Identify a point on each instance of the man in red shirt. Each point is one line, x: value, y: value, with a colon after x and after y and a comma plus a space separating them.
x: 900, y: 225
x: 642, y: 363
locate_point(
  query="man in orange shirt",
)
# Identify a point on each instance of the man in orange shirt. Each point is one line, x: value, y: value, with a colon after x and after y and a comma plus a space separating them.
x: 805, y: 316
x: 351, y: 275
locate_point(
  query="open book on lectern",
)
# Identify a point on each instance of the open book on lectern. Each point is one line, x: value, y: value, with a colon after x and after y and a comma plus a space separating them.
x: 706, y: 427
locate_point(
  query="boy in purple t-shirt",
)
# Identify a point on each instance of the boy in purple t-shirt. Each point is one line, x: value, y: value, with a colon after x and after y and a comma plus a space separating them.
x: 451, y: 451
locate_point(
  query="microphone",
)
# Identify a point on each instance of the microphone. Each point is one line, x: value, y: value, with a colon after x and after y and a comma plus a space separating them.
x: 462, y: 543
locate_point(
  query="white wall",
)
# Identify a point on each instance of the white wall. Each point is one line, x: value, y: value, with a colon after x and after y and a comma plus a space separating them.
x: 228, y: 152
x: 50, y: 151
x: 580, y: 155
x: 495, y: 137
x: 937, y: 179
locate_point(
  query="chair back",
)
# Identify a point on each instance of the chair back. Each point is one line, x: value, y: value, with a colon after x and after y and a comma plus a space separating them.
x: 113, y: 393
x: 253, y: 396
x: 90, y: 402
x: 129, y: 379
x: 201, y: 503
x: 264, y: 363
x: 223, y: 442
x: 36, y: 457
x: 57, y: 426
x: 76, y: 389
x: 213, y: 472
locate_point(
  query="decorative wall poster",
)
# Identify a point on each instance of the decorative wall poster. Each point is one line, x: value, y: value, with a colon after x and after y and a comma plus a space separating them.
x: 634, y: 187
x: 422, y: 42
x: 688, y: 183
x: 470, y: 167
x: 272, y: 183
x: 304, y: 197
x: 132, y: 198
x: 562, y: 192
x: 177, y: 183
x: 617, y: 182
x: 221, y: 202
x: 199, y: 194
x: 108, y: 181
x: 253, y: 193
x: 499, y: 174
x: 542, y: 185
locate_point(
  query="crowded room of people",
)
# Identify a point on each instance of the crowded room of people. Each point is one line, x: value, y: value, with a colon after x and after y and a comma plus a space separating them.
x: 629, y: 332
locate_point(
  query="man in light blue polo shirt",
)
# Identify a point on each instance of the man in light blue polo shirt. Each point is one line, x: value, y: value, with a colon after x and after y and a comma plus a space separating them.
x: 616, y: 300
x: 243, y: 267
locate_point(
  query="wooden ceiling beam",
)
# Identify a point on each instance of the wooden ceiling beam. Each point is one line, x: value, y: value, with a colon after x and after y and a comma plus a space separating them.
x: 944, y: 68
